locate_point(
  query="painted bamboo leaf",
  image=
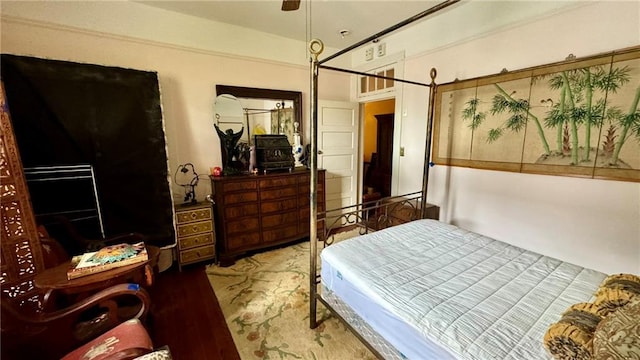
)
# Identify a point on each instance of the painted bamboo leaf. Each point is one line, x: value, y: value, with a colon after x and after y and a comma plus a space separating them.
x: 494, y: 134
x: 520, y: 113
x: 631, y: 121
x: 470, y: 113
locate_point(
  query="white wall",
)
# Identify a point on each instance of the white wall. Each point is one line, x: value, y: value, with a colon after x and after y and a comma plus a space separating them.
x: 594, y: 223
x: 187, y: 74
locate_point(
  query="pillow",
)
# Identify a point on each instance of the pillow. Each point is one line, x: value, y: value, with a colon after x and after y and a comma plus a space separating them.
x: 568, y: 342
x: 571, y: 337
x: 608, y: 300
x: 627, y: 282
x: 618, y: 335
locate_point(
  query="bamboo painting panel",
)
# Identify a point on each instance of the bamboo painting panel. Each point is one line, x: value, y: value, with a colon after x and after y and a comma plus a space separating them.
x: 498, y: 132
x: 575, y: 118
x: 454, y: 148
x: 619, y: 148
x: 565, y: 116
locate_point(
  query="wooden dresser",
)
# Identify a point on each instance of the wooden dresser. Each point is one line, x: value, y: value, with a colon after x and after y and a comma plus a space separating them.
x: 195, y: 232
x: 257, y: 211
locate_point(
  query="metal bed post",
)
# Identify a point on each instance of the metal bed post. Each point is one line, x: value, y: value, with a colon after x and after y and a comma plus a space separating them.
x: 427, y: 148
x: 315, y: 48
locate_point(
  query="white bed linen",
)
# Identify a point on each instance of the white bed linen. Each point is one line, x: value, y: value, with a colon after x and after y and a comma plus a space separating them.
x: 468, y: 296
x: 407, y: 340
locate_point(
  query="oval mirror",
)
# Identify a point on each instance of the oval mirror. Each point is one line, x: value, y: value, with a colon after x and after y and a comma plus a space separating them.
x: 228, y: 112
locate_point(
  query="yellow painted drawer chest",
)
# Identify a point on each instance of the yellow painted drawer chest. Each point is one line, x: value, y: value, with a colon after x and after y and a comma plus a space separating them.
x: 195, y: 232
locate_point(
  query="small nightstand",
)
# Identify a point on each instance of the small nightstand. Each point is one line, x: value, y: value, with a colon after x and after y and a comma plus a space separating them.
x: 195, y: 233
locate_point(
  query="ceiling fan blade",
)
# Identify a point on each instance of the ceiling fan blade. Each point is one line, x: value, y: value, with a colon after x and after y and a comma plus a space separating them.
x: 289, y: 5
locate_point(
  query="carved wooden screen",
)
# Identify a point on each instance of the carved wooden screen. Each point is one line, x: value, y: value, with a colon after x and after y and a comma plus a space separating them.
x: 579, y: 117
x: 20, y: 256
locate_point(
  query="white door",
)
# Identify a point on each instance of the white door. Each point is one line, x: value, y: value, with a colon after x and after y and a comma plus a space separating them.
x: 338, y: 152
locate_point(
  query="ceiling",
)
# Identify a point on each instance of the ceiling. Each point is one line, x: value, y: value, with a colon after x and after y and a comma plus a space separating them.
x: 323, y: 19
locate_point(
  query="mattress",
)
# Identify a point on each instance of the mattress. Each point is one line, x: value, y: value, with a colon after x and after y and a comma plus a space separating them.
x: 433, y: 290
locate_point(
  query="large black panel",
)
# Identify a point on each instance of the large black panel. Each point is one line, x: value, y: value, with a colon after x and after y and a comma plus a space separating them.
x: 67, y: 113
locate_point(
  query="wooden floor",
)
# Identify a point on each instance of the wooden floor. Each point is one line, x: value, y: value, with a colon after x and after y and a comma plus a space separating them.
x: 185, y: 315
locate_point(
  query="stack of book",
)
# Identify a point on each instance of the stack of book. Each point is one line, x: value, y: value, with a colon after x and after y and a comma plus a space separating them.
x: 107, y: 258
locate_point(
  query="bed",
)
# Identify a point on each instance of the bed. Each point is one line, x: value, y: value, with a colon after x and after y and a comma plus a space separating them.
x: 432, y: 290
x: 426, y: 289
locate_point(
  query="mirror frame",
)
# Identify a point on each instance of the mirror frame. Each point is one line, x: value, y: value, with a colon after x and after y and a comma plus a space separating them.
x: 269, y: 94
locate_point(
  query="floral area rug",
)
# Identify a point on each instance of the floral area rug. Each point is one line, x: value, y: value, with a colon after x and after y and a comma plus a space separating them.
x: 265, y: 301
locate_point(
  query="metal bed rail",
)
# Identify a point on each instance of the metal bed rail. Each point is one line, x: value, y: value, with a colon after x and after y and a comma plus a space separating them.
x: 369, y: 216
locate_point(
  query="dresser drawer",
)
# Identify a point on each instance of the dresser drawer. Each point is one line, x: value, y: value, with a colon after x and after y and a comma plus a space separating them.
x: 278, y: 193
x: 197, y: 254
x: 304, y: 189
x: 240, y: 185
x: 240, y: 241
x: 275, y: 182
x: 196, y: 240
x: 242, y: 225
x: 193, y: 215
x: 278, y: 205
x: 195, y: 228
x: 304, y: 179
x: 280, y: 219
x: 240, y: 197
x: 231, y: 212
x: 281, y: 233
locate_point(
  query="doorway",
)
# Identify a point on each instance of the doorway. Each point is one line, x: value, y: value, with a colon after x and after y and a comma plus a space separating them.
x: 378, y: 131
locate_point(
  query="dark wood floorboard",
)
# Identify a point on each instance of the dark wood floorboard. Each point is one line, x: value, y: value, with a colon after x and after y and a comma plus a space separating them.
x: 186, y: 316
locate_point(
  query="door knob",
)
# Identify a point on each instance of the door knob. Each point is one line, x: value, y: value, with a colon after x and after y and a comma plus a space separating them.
x: 319, y: 152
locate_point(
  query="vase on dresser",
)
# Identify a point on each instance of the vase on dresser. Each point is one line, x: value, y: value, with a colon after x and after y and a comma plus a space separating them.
x: 297, y: 150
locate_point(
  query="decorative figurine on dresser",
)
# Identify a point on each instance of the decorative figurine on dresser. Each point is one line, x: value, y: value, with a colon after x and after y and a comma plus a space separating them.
x: 230, y: 150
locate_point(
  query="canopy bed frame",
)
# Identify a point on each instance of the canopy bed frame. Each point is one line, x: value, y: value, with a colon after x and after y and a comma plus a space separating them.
x: 354, y: 214
x: 362, y: 264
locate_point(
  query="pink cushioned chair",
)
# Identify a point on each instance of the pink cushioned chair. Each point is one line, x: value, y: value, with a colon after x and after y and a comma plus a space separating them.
x: 126, y: 341
x: 45, y: 335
